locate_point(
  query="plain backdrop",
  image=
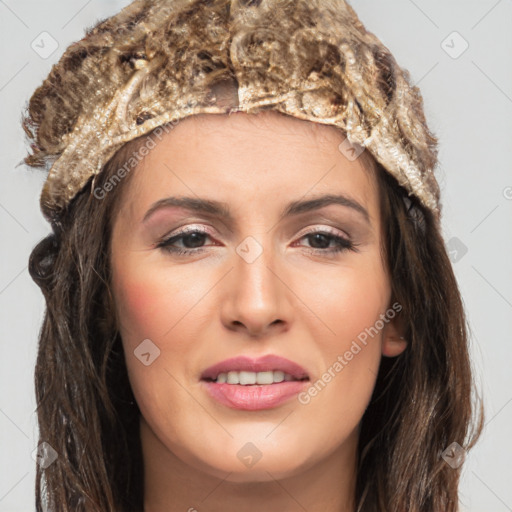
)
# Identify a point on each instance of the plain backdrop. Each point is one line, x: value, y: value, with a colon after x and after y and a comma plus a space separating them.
x: 459, y: 52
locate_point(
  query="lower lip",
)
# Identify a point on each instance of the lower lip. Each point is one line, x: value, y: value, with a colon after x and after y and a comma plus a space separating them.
x: 254, y: 397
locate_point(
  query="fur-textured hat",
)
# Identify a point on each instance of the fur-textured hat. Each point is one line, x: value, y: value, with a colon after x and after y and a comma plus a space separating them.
x: 158, y: 61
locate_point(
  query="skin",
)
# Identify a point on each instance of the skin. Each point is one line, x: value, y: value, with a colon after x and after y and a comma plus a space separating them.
x: 202, y: 308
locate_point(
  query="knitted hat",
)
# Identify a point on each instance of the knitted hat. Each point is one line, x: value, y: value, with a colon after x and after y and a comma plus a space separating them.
x: 158, y: 61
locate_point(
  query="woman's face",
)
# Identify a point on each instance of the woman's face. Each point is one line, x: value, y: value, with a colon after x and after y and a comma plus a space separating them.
x: 283, y: 259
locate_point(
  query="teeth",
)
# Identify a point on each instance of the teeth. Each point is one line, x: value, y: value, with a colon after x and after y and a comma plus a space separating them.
x: 233, y: 378
x: 248, y: 378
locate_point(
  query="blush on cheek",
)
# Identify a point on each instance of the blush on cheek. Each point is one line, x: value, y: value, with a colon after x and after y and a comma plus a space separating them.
x: 351, y: 309
x: 156, y: 306
x: 141, y: 311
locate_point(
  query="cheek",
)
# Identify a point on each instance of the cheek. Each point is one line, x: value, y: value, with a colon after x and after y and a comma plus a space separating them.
x: 350, y: 307
x: 148, y: 307
x: 140, y: 308
x: 350, y: 303
x: 150, y: 301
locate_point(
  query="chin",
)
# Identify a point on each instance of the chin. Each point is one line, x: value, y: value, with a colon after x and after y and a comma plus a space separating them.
x: 253, y: 461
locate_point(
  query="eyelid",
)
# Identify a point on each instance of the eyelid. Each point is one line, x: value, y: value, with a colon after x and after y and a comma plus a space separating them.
x: 324, y: 228
x: 192, y: 228
x: 182, y: 232
x: 189, y: 228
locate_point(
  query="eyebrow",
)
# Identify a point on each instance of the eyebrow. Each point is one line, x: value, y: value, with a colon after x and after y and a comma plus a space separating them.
x: 220, y: 209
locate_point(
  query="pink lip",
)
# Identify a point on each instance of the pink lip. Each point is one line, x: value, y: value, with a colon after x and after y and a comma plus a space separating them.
x: 262, y: 364
x: 255, y: 397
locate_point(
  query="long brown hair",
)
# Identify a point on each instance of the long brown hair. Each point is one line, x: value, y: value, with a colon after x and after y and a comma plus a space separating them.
x: 422, y: 400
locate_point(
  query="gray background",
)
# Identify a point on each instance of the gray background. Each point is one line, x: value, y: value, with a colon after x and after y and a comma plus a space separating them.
x: 468, y: 103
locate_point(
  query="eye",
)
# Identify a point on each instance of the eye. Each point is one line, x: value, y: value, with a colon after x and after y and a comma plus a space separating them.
x: 321, y: 240
x: 193, y: 241
x: 192, y: 238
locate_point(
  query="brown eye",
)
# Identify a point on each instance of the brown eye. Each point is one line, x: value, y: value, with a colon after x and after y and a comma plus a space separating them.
x: 192, y: 241
x: 320, y: 242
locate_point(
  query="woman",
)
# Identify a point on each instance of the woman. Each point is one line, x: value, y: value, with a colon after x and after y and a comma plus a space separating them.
x: 253, y: 309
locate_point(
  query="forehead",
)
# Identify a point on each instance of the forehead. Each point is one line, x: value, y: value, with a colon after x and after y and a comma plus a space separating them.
x: 239, y: 157
x: 265, y: 126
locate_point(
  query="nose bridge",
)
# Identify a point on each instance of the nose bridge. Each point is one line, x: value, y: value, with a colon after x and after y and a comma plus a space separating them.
x: 254, y: 259
x: 256, y: 296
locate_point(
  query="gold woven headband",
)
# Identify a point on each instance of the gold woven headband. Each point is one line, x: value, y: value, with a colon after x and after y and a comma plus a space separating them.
x: 158, y: 61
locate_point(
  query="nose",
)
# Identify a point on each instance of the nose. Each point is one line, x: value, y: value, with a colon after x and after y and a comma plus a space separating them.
x: 256, y: 300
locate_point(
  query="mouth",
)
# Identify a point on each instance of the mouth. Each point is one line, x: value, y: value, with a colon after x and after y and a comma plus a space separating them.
x: 254, y: 384
x: 245, y: 378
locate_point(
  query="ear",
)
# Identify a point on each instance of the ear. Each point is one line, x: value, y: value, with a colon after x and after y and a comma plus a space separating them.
x: 393, y: 342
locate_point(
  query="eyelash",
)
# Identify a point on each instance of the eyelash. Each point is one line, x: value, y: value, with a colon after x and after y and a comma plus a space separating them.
x: 343, y: 243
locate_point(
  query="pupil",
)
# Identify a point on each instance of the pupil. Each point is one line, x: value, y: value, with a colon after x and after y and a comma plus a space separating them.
x: 319, y: 237
x: 196, y: 238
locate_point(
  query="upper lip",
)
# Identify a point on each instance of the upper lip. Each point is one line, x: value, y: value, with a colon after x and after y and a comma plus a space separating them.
x: 262, y: 364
